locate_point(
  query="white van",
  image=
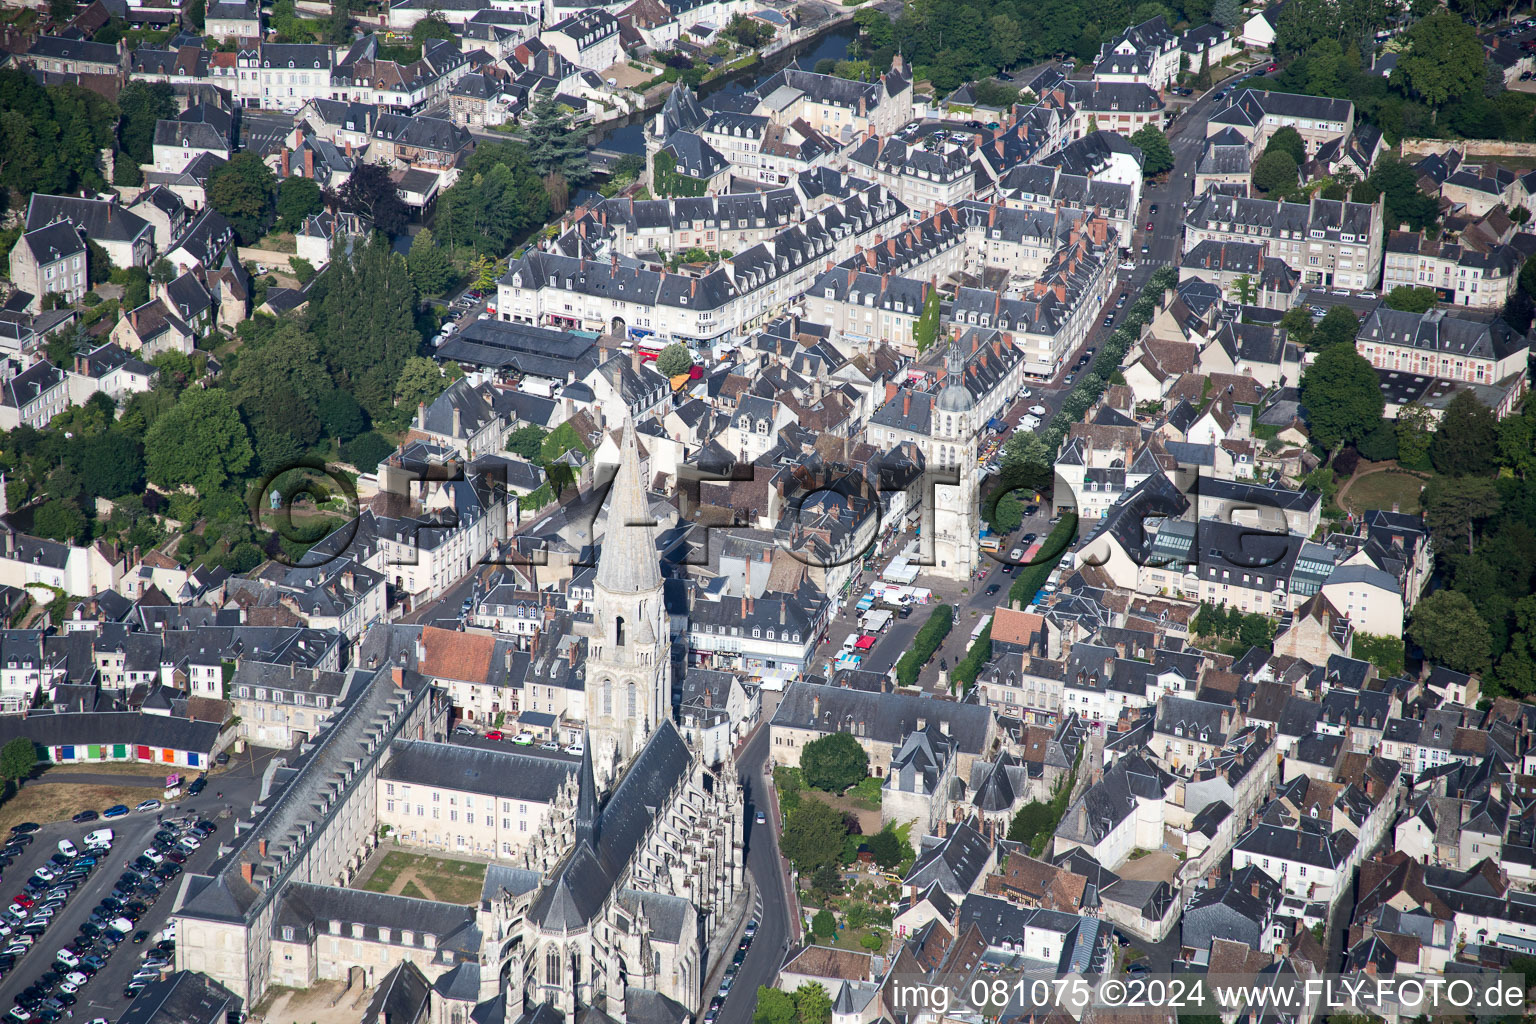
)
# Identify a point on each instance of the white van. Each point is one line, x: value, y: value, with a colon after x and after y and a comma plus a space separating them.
x: 101, y: 839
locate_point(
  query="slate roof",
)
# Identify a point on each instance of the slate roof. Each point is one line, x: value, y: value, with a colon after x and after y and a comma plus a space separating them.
x: 508, y: 775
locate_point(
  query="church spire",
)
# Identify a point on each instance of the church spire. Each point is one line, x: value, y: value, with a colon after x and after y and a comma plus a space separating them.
x: 629, y: 564
x: 586, y: 797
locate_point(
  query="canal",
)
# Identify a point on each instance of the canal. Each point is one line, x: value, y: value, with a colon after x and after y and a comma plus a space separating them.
x: 628, y: 136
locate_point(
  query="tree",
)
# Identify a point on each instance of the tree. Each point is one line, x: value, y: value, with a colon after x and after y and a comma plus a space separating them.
x: 366, y: 451
x: 297, y: 199
x: 675, y: 359
x: 1414, y: 434
x: 1467, y: 442
x: 1275, y: 171
x: 1156, y: 154
x: 17, y: 759
x: 200, y: 442
x: 431, y: 27
x: 887, y: 848
x: 161, y: 271
x: 926, y: 331
x: 431, y: 270
x: 1380, y: 444
x: 244, y: 191
x: 366, y: 321
x: 110, y: 464
x: 1298, y: 325
x: 834, y: 762
x: 553, y: 147
x: 1410, y: 299
x: 1340, y: 396
x: 370, y: 192
x: 1448, y: 629
x: 1288, y: 140
x: 1007, y: 513
x: 812, y: 1004
x: 1453, y: 506
x: 827, y: 880
x: 1397, y: 181
x: 773, y: 1007
x: 142, y: 104
x: 58, y: 519
x: 1443, y: 60
x: 527, y: 441
x: 1227, y: 13
x: 813, y: 836
x: 340, y: 415
x: 1337, y: 327
x: 1517, y: 440
x: 421, y: 381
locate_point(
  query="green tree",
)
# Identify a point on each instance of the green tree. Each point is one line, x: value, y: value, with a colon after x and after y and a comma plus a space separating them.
x: 58, y: 519
x: 365, y: 319
x: 1340, y: 397
x: 17, y: 759
x: 1275, y: 171
x: 813, y: 836
x: 142, y: 104
x: 773, y: 1007
x: 1397, y: 182
x: 431, y: 27
x: 1007, y: 513
x: 1288, y: 140
x: 553, y: 147
x: 527, y: 441
x: 1410, y: 299
x: 161, y: 271
x: 1453, y: 506
x: 834, y: 762
x: 366, y: 451
x: 302, y: 270
x: 1380, y: 444
x: 887, y: 848
x: 827, y: 880
x: 674, y: 359
x: 1448, y: 629
x: 1385, y: 652
x: 1298, y: 325
x: 431, y: 270
x: 926, y: 330
x: 1442, y: 61
x: 340, y: 415
x: 244, y: 191
x: 421, y: 381
x: 200, y: 442
x: 370, y: 192
x: 1414, y: 434
x: 1156, y: 154
x: 109, y: 464
x: 1467, y: 442
x: 812, y: 1004
x: 1337, y: 327
x: 297, y: 199
x: 1517, y: 440
x: 1227, y: 13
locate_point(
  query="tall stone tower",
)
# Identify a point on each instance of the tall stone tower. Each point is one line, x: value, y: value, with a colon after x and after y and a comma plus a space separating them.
x: 629, y: 646
x: 955, y: 506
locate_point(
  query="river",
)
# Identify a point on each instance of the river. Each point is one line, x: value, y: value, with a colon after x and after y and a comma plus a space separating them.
x: 629, y: 136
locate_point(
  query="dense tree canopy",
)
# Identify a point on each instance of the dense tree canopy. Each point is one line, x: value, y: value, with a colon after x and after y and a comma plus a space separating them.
x: 51, y: 138
x: 200, y: 442
x: 813, y: 835
x: 244, y: 190
x: 1443, y: 60
x: 1157, y: 155
x: 1340, y: 396
x: 834, y: 762
x: 1447, y: 628
x: 1468, y: 438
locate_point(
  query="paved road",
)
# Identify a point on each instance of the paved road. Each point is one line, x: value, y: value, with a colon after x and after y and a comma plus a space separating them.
x: 102, y: 996
x: 771, y: 909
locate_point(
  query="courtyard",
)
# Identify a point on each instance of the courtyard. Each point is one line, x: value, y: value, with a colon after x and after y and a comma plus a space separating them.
x: 425, y: 877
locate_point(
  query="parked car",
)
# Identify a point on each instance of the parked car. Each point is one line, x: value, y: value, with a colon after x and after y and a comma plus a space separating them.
x: 85, y: 816
x: 115, y: 811
x: 146, y: 806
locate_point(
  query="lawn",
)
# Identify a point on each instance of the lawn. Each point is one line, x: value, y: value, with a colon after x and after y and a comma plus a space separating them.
x: 425, y: 877
x: 1381, y: 489
x: 45, y: 802
x: 140, y: 769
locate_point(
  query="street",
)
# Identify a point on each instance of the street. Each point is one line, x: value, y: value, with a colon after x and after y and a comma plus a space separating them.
x: 102, y: 996
x: 775, y: 931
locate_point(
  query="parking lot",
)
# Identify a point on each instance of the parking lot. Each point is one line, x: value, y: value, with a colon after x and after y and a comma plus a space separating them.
x: 232, y: 788
x: 146, y: 908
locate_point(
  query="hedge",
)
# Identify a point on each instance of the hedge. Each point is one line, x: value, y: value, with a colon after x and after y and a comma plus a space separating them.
x: 1032, y: 577
x: 979, y: 654
x: 924, y: 644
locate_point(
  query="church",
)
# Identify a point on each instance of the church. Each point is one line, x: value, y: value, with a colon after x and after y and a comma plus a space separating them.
x: 640, y: 865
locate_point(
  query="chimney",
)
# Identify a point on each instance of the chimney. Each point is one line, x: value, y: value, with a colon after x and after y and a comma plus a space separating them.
x: 246, y: 869
x: 261, y: 847
x: 309, y: 163
x: 906, y: 403
x: 815, y: 708
x: 284, y: 161
x: 421, y: 415
x: 634, y: 359
x: 349, y: 149
x: 458, y: 422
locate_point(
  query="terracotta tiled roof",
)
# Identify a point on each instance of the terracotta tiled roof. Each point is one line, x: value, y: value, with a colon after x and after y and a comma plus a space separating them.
x: 454, y: 655
x: 1016, y: 627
